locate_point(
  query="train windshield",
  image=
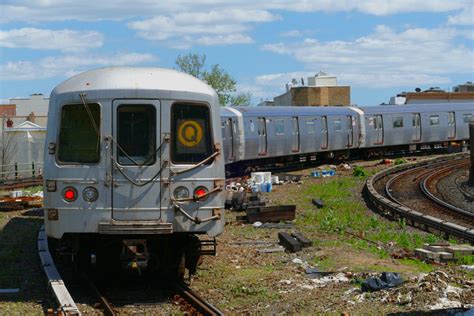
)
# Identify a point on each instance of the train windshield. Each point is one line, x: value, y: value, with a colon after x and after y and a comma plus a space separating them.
x: 78, y: 138
x: 136, y: 129
x: 190, y: 133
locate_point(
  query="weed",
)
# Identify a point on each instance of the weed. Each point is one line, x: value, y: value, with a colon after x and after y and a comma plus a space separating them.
x: 400, y: 161
x: 359, y: 172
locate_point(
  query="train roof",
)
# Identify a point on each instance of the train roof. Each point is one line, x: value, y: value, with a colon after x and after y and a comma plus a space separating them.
x: 422, y: 107
x: 289, y: 110
x: 133, y: 78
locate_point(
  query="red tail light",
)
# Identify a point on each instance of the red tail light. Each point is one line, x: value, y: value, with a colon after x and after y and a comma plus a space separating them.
x: 70, y: 194
x: 200, y: 193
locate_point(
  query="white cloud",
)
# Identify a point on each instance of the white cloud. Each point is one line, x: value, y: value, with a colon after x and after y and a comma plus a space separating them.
x: 88, y: 10
x: 222, y: 27
x: 45, y: 39
x: 466, y: 17
x: 386, y: 58
x: 292, y: 33
x: 50, y: 67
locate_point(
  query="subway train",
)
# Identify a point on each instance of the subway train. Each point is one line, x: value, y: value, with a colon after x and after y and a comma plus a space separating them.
x: 257, y: 138
x: 134, y: 170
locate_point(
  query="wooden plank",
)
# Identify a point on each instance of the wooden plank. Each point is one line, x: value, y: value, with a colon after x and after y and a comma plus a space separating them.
x: 290, y: 243
x: 302, y: 239
x: 275, y: 213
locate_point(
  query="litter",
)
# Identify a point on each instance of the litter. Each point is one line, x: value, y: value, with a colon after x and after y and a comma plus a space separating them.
x: 318, y: 203
x: 386, y: 280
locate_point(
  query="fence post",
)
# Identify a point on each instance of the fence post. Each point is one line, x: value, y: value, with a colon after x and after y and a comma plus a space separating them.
x: 33, y: 169
x: 16, y: 170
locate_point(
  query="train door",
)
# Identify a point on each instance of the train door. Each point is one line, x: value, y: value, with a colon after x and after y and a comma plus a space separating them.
x: 416, y: 136
x: 350, y: 131
x: 324, y: 132
x: 136, y: 160
x: 451, y: 125
x: 378, y: 125
x: 296, y: 134
x: 262, y: 136
x: 229, y: 139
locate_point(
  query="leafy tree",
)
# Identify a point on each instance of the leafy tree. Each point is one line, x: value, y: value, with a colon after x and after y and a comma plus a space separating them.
x: 216, y: 77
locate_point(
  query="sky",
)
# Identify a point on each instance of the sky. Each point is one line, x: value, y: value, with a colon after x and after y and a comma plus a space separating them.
x: 378, y: 47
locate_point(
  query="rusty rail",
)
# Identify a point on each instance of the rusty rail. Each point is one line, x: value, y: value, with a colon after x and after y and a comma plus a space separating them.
x: 197, y: 302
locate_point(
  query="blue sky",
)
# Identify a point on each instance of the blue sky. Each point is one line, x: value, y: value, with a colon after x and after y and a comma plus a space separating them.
x: 377, y: 47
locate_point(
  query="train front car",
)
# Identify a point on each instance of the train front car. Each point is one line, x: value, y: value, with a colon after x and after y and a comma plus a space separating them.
x: 133, y: 169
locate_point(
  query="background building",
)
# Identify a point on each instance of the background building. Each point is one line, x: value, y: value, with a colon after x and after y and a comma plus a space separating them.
x: 322, y: 90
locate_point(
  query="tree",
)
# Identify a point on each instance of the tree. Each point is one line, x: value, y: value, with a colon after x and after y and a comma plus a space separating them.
x: 216, y: 77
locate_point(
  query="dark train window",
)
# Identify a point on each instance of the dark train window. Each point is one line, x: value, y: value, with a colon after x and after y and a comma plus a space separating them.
x: 191, y: 140
x: 397, y: 122
x: 136, y: 129
x: 78, y: 140
x: 337, y: 125
x: 434, y: 120
x: 310, y: 126
x: 279, y: 127
x: 467, y: 117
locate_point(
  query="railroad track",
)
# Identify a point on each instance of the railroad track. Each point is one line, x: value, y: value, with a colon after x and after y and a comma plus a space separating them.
x: 193, y: 303
x: 188, y: 300
x: 411, y: 188
x: 404, y: 192
x: 20, y: 183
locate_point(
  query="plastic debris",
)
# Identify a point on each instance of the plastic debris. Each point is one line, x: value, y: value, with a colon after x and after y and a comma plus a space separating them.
x: 257, y: 224
x: 386, y: 280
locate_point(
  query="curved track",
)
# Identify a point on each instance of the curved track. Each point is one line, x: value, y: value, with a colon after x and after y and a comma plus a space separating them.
x: 403, y: 192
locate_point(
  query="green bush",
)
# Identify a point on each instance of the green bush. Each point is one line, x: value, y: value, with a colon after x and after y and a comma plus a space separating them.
x: 400, y: 161
x: 359, y: 172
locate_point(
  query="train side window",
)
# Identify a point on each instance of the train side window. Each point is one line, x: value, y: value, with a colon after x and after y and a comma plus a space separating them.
x: 467, y: 117
x: 279, y: 127
x: 78, y: 139
x: 136, y: 129
x: 310, y: 126
x: 434, y: 120
x: 337, y: 125
x: 191, y: 139
x: 397, y: 122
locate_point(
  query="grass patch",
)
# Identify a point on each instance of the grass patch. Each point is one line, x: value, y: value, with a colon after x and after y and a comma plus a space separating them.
x: 343, y: 212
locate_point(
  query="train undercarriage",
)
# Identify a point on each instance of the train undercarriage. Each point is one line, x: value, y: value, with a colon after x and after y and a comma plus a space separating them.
x: 295, y: 162
x: 166, y: 257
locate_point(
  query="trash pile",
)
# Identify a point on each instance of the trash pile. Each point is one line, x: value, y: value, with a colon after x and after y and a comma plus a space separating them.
x: 433, y: 291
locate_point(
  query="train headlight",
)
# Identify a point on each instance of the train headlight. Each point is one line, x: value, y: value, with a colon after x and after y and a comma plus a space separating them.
x: 69, y: 194
x: 200, y: 193
x: 90, y: 194
x: 181, y: 193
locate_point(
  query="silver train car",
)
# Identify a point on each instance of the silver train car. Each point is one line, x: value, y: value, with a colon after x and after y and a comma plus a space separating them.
x: 288, y: 134
x: 418, y: 126
x: 134, y: 169
x: 262, y: 137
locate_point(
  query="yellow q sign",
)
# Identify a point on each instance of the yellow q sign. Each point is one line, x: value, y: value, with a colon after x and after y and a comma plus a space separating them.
x: 189, y: 133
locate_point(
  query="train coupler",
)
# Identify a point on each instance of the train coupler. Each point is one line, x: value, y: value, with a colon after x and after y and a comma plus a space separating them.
x: 134, y: 254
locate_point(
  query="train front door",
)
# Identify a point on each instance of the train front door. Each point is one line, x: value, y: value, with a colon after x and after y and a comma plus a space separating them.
x: 135, y: 160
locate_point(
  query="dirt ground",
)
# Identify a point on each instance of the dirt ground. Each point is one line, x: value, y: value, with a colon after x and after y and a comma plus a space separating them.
x: 349, y: 244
